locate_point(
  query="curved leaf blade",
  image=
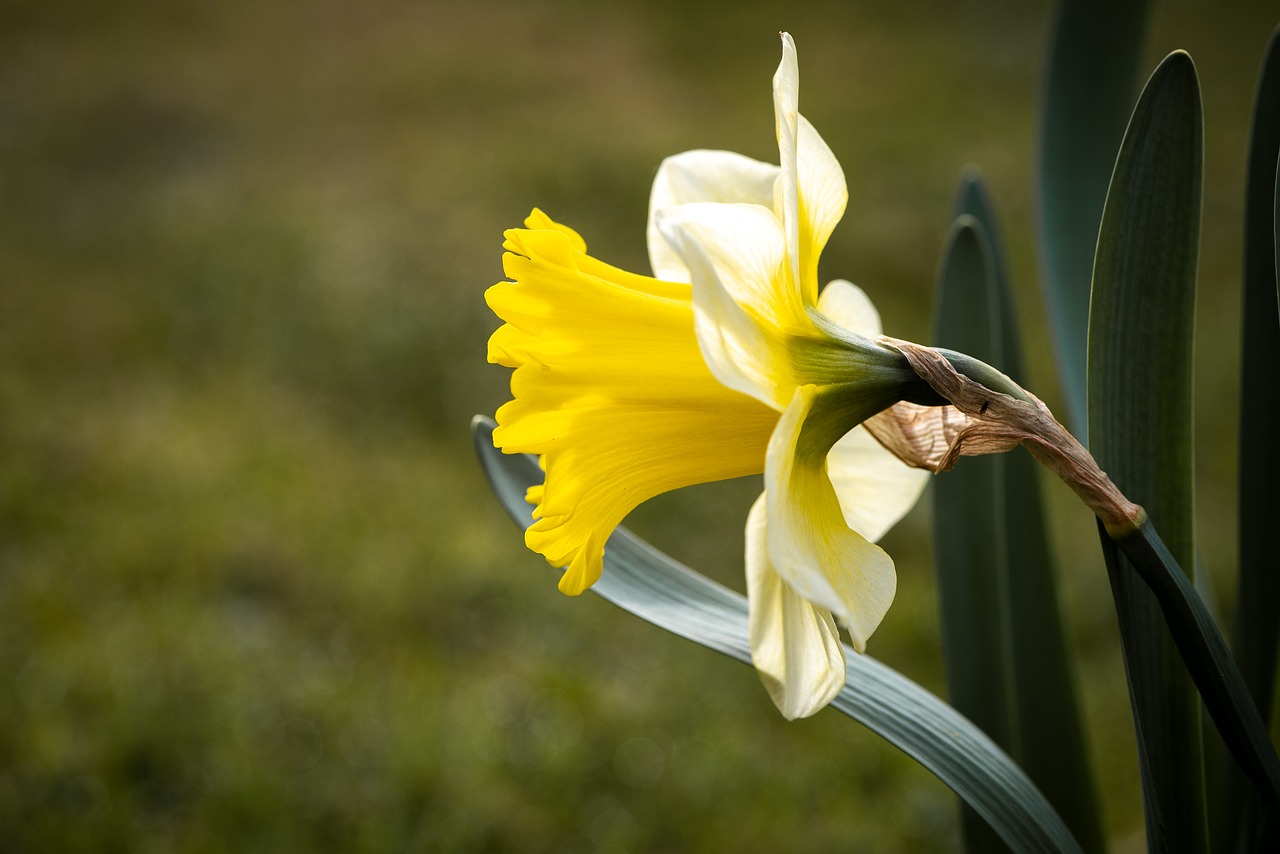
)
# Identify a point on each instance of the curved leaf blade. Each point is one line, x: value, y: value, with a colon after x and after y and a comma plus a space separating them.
x: 647, y: 583
x: 1140, y: 419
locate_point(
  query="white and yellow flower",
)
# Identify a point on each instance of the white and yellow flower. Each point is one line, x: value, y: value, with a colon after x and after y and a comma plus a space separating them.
x: 728, y: 362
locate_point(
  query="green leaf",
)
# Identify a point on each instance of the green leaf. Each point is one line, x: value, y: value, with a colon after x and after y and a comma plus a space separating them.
x: 1210, y: 664
x: 1006, y: 351
x: 1140, y: 419
x: 1090, y: 83
x: 990, y: 537
x: 1257, y: 625
x: 642, y: 580
x: 969, y: 535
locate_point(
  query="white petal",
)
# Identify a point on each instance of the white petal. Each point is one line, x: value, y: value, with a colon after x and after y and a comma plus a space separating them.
x: 744, y: 243
x: 735, y: 254
x: 875, y: 488
x: 811, y: 190
x: 823, y: 197
x: 795, y: 647
x: 702, y: 176
x: 810, y: 544
x: 786, y: 117
x: 850, y: 307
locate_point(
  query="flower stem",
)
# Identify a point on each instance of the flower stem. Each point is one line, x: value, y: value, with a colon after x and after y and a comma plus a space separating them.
x: 1207, y: 658
x: 1000, y: 415
x: 983, y: 374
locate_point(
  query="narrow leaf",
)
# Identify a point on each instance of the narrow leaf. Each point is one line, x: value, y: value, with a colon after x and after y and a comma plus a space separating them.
x: 1210, y: 664
x: 1089, y: 89
x: 974, y: 200
x: 1257, y: 626
x: 970, y: 540
x: 1140, y: 420
x: 1258, y: 617
x: 647, y: 583
x: 1048, y: 734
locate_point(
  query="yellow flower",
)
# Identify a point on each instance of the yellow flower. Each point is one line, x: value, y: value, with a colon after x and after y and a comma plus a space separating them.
x: 610, y: 391
x: 727, y: 363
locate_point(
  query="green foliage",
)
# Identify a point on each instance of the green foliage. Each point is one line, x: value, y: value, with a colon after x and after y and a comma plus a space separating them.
x: 1141, y: 335
x: 1093, y: 67
x: 969, y: 525
x: 652, y: 586
x: 1257, y: 625
x: 1209, y: 663
x: 1007, y: 664
x: 1258, y: 599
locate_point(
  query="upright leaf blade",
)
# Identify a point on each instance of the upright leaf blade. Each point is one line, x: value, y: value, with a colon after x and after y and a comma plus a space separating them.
x: 1140, y: 419
x: 974, y: 200
x: 1207, y: 659
x: 1257, y: 626
x: 1049, y: 742
x: 1089, y: 90
x: 970, y: 540
x: 1258, y: 614
x: 647, y: 583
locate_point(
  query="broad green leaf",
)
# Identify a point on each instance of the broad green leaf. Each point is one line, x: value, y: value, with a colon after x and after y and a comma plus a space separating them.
x: 1257, y: 626
x: 1045, y: 733
x: 1089, y: 88
x: 1140, y: 419
x: 651, y: 585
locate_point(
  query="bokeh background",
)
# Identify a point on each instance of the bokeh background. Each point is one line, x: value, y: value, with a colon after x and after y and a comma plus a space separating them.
x: 254, y: 593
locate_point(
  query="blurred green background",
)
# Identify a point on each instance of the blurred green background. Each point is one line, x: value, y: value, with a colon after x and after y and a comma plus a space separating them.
x: 254, y: 593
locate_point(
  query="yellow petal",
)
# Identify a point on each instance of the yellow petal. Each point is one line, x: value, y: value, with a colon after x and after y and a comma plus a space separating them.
x: 795, y: 646
x: 611, y: 391
x: 810, y: 544
x: 702, y: 176
x: 538, y: 221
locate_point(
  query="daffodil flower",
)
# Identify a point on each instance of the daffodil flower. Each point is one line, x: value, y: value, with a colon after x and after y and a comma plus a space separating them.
x: 727, y: 362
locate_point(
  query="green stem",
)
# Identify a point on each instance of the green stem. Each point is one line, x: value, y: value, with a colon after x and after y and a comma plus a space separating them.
x: 982, y: 373
x: 1210, y: 663
x: 1125, y: 527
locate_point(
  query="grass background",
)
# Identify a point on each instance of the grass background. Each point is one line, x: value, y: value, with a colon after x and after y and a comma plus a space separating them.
x: 253, y: 591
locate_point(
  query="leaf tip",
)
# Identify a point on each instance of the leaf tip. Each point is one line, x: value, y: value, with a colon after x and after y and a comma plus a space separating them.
x: 971, y: 193
x: 965, y: 228
x: 971, y: 176
x: 482, y: 429
x: 1177, y: 67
